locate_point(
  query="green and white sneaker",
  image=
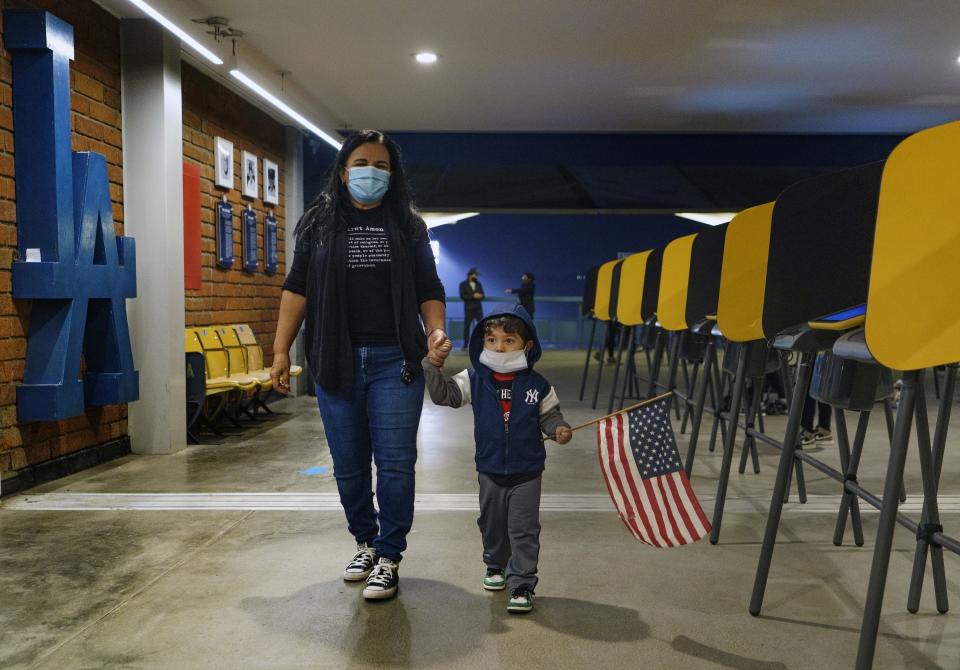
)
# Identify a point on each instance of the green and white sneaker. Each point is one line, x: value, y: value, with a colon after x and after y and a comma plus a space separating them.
x: 494, y: 580
x: 521, y: 599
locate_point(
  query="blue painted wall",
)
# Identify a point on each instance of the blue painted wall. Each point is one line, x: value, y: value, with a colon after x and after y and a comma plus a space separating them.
x: 556, y: 248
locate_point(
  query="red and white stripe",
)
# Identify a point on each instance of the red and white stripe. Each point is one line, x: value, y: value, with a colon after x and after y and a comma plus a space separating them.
x: 661, y: 511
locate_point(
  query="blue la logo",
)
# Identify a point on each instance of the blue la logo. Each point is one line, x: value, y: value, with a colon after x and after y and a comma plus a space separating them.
x: 72, y: 265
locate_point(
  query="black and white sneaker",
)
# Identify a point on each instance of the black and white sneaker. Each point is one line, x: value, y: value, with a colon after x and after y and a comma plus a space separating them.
x: 383, y: 580
x: 363, y: 561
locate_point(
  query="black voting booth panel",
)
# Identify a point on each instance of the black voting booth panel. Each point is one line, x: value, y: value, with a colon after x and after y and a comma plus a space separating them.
x: 651, y: 284
x: 703, y: 289
x: 760, y: 360
x: 651, y: 294
x: 706, y: 262
x: 821, y: 241
x: 615, y: 289
x: 589, y: 291
x: 848, y: 384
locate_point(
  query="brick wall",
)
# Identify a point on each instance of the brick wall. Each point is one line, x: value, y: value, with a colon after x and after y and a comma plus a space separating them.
x: 232, y: 295
x: 95, y: 101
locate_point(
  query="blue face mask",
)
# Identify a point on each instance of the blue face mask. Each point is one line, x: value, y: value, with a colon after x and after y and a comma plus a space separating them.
x: 367, y: 184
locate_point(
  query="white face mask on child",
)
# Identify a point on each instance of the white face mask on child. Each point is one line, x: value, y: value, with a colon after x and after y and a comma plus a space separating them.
x: 504, y: 361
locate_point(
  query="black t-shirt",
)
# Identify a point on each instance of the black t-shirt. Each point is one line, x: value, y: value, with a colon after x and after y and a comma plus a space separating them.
x: 369, y: 298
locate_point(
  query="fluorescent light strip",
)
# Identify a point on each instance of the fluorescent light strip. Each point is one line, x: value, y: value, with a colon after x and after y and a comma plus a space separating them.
x: 434, y: 219
x: 709, y: 218
x: 173, y: 28
x: 284, y: 107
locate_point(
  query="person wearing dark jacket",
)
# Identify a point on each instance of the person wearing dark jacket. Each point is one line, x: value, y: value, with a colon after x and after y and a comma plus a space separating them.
x: 362, y: 278
x: 525, y: 292
x: 513, y: 407
x: 471, y: 293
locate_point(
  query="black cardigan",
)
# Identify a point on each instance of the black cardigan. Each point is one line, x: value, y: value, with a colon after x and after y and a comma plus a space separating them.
x: 319, y: 272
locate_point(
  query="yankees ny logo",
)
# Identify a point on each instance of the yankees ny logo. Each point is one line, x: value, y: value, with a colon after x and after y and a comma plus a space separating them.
x: 533, y: 397
x: 72, y: 265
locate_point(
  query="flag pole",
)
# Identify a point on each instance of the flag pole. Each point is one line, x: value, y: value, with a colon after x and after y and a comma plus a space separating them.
x: 621, y: 411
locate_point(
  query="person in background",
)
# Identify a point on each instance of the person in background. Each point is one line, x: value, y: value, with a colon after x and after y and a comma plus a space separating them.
x: 363, y: 277
x: 809, y: 434
x: 471, y: 293
x: 525, y: 292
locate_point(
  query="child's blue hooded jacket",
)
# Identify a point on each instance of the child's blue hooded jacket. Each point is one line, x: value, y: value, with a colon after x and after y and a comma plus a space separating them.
x: 502, y: 448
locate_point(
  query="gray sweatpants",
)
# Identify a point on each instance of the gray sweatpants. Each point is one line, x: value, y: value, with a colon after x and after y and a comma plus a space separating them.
x: 510, y: 526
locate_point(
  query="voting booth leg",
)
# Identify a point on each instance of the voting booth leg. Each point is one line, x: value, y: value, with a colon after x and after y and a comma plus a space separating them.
x: 850, y: 462
x: 930, y: 463
x: 787, y: 378
x: 596, y: 388
x: 887, y: 523
x: 801, y: 480
x: 672, y: 365
x: 691, y: 392
x: 888, y: 408
x: 716, y: 398
x: 621, y: 345
x: 630, y: 373
x: 804, y: 371
x: 586, y: 362
x: 698, y: 406
x: 728, y: 444
x: 749, y: 443
x: 655, y: 364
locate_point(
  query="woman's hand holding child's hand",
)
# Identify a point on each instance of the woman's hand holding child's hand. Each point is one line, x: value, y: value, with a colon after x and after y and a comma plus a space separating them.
x: 564, y: 435
x: 439, y: 347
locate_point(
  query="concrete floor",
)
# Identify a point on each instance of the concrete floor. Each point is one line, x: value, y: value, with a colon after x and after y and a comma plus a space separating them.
x: 239, y: 587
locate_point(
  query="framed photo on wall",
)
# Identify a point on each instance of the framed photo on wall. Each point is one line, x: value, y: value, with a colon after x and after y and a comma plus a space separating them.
x: 271, y: 182
x: 249, y: 163
x: 223, y: 155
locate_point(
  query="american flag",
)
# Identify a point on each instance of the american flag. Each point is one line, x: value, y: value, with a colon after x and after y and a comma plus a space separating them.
x: 648, y: 485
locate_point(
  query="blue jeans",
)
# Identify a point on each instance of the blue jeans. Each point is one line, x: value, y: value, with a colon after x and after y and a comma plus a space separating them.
x: 378, y: 418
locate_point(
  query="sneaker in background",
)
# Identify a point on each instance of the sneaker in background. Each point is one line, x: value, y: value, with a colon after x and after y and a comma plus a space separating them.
x: 822, y: 434
x: 807, y: 437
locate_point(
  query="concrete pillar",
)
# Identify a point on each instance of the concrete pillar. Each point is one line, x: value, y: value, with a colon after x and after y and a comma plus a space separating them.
x: 153, y: 214
x: 293, y: 206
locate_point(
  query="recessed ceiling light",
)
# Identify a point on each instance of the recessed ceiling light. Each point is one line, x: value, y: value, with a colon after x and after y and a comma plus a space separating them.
x: 425, y: 57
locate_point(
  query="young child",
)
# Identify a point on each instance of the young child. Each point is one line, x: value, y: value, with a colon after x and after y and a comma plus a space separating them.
x: 512, y: 404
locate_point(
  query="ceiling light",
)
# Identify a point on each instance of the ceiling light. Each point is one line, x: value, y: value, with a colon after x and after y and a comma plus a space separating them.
x: 176, y: 30
x: 434, y: 219
x: 426, y: 57
x: 284, y: 107
x: 709, y: 218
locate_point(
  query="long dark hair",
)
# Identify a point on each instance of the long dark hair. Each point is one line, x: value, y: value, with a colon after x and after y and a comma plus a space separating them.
x: 326, y: 214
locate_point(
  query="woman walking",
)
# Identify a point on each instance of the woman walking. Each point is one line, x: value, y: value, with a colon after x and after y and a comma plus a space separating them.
x: 363, y: 277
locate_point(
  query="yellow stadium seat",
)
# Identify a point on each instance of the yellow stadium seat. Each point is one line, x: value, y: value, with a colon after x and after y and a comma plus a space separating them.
x: 255, y: 351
